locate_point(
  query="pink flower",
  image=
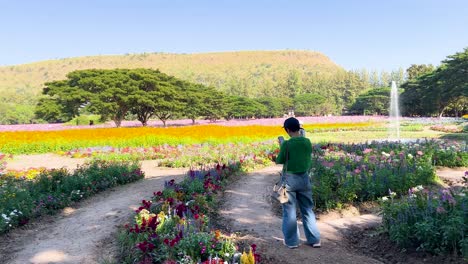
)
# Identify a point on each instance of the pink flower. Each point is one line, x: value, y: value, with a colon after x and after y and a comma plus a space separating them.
x: 420, y: 153
x: 440, y: 210
x: 367, y: 151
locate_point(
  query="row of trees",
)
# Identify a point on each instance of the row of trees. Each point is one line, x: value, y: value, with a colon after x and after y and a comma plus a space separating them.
x: 145, y: 93
x: 428, y: 91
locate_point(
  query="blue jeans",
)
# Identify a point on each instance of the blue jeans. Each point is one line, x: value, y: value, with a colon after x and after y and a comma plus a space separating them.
x: 299, y: 190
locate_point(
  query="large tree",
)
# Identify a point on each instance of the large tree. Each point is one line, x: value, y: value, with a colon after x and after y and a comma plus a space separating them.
x: 375, y: 101
x: 153, y: 90
x: 61, y: 101
x: 434, y: 92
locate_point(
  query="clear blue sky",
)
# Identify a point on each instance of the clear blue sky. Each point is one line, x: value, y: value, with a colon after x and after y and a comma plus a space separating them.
x: 373, y: 34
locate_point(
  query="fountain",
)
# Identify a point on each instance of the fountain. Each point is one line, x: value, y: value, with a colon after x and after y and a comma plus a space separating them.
x: 394, y: 114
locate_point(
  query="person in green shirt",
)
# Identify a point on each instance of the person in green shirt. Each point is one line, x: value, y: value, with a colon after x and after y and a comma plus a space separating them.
x: 298, y: 151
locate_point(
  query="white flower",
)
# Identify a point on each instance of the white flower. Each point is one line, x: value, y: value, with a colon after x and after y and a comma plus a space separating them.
x: 5, y: 216
x: 385, y: 198
x: 226, y: 255
x: 392, y: 194
x: 410, y: 156
x: 461, y: 194
x: 419, y: 188
x: 385, y: 154
x: 413, y: 195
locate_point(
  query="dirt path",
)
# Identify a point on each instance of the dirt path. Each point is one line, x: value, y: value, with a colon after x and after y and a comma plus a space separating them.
x: 248, y: 208
x: 49, y: 161
x: 452, y: 177
x: 85, y: 234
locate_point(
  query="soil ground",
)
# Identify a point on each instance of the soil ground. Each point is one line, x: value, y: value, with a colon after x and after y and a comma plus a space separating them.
x: 85, y: 233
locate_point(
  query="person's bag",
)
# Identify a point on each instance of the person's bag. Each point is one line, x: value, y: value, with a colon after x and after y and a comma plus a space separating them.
x: 279, y: 190
x: 279, y: 193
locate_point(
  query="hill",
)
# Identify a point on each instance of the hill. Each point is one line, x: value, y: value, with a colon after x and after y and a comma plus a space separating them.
x: 252, y: 74
x: 234, y: 72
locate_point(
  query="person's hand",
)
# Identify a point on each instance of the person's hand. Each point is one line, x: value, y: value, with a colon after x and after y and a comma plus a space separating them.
x: 280, y: 140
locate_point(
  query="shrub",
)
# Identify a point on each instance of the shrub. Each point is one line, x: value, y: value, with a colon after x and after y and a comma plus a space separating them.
x: 428, y: 221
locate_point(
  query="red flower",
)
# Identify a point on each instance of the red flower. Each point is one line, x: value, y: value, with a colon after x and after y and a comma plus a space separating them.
x: 170, y: 200
x: 145, y: 246
x: 153, y: 222
x: 254, y: 247
x: 146, y: 204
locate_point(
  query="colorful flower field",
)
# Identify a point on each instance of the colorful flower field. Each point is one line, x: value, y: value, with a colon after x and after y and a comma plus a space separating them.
x: 251, y: 155
x: 25, y: 142
x: 188, y: 122
x: 174, y: 225
x: 344, y: 174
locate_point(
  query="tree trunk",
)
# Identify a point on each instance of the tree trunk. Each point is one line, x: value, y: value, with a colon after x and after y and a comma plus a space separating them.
x: 117, y: 122
x: 193, y: 121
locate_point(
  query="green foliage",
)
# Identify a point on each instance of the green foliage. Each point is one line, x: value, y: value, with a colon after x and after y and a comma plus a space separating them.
x: 438, y: 91
x: 309, y: 105
x: 417, y: 70
x: 242, y: 107
x: 375, y: 101
x: 274, y: 107
x: 430, y: 221
x: 11, y: 113
x: 85, y: 120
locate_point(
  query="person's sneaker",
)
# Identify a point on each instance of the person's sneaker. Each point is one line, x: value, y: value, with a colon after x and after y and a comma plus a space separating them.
x: 291, y: 247
x: 317, y: 245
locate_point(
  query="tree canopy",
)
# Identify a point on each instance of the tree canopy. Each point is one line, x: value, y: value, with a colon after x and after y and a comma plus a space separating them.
x: 434, y: 92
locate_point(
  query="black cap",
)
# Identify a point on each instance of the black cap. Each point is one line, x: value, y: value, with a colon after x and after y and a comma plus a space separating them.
x: 292, y: 124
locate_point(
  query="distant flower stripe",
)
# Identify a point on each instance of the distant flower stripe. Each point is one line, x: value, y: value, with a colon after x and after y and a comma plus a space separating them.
x: 64, y: 140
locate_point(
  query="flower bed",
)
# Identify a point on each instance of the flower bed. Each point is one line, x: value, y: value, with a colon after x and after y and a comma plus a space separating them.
x: 251, y: 154
x: 364, y: 172
x: 174, y: 225
x: 447, y: 129
x: 26, y: 195
x: 432, y: 221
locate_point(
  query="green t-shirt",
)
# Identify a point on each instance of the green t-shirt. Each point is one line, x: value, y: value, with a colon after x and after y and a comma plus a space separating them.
x: 300, y: 151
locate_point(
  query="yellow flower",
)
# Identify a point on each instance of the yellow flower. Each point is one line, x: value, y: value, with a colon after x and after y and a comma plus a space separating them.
x: 248, y: 258
x: 217, y: 234
x: 244, y: 259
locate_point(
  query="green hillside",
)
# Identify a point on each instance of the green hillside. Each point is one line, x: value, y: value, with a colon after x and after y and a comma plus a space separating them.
x: 251, y: 74
x: 234, y: 72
